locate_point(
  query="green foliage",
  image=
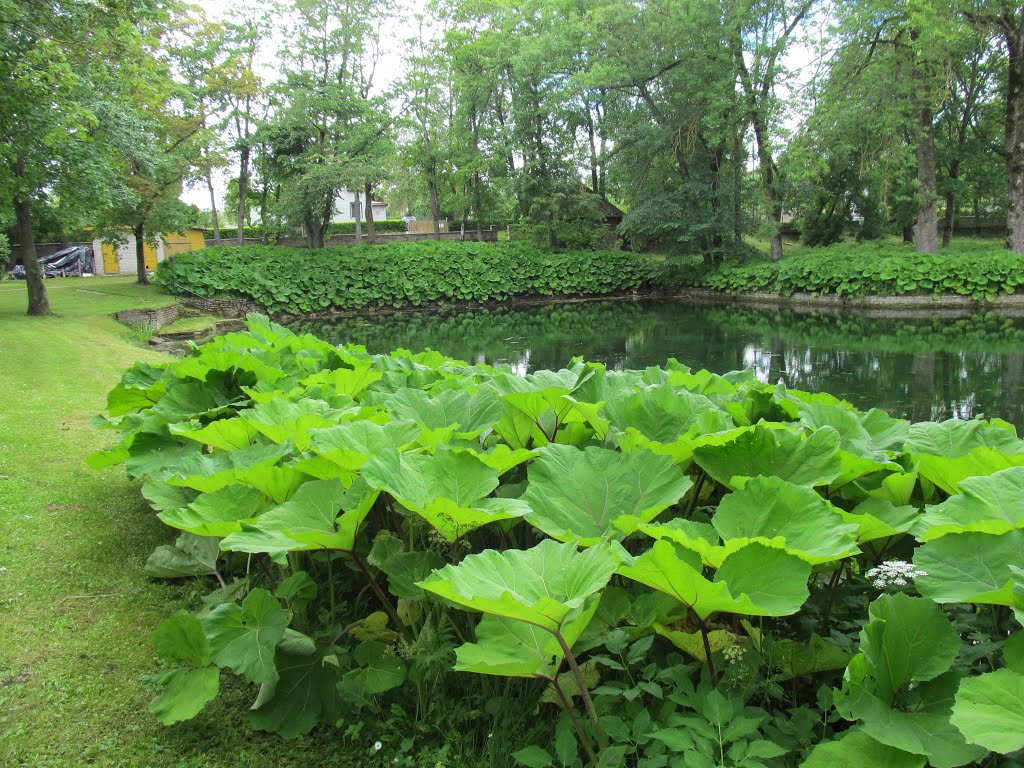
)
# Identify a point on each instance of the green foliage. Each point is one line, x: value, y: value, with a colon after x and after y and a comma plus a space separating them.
x: 672, y: 558
x: 868, y: 270
x: 381, y: 226
x: 286, y: 280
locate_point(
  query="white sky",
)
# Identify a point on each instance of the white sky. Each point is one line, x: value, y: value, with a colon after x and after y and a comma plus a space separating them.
x: 803, y: 58
x: 389, y: 68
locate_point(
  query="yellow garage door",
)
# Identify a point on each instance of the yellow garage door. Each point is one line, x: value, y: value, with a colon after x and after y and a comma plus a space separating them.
x: 149, y: 254
x: 110, y: 266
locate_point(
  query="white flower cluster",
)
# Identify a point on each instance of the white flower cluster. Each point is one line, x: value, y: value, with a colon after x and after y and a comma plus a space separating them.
x: 894, y: 573
x: 732, y: 653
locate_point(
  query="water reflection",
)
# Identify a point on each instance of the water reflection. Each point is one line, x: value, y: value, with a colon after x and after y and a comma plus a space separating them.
x: 917, y: 369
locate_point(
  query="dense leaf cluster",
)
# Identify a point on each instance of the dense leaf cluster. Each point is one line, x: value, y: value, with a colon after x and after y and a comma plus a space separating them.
x: 294, y: 281
x: 673, y: 559
x: 868, y: 271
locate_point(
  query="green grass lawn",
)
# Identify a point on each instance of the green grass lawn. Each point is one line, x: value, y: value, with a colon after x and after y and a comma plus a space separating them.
x: 76, y: 609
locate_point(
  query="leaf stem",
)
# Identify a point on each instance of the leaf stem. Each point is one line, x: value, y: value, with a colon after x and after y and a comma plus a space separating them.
x: 707, y: 652
x: 580, y: 733
x: 588, y: 702
x: 379, y: 592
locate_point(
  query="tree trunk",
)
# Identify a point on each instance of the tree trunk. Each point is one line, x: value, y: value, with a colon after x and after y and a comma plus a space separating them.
x: 38, y: 301
x: 371, y: 227
x: 213, y: 206
x: 949, y: 215
x: 1014, y: 35
x: 908, y: 233
x: 62, y: 236
x: 243, y: 193
x: 359, y: 217
x: 926, y: 230
x: 140, y: 253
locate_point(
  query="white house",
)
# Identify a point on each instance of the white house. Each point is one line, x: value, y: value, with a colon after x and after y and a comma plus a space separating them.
x: 345, y: 207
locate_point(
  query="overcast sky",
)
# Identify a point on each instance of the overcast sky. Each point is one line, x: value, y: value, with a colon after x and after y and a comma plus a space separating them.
x: 389, y: 68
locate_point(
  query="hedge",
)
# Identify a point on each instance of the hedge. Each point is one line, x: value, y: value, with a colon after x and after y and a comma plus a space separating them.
x: 296, y: 280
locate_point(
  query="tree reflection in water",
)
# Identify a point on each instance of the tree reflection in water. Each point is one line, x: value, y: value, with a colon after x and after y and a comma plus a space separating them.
x: 918, y: 369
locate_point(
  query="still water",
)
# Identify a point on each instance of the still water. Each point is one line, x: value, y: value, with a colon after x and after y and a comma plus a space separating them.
x: 918, y: 369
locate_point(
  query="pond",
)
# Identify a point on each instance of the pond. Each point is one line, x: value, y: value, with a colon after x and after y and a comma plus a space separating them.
x: 919, y: 369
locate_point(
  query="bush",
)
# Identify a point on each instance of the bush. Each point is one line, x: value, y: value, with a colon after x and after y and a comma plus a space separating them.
x: 382, y: 226
x: 296, y: 280
x: 698, y: 559
x: 866, y: 270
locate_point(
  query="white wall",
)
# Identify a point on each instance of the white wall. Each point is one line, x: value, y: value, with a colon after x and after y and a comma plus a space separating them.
x: 125, y: 255
x: 343, y: 207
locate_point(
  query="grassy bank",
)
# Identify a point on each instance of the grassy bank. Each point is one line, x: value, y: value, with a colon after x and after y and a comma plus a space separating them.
x: 77, y: 608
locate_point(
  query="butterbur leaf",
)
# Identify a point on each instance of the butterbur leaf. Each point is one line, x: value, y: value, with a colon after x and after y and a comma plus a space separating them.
x: 190, y: 556
x: 180, y: 638
x: 532, y: 757
x: 790, y: 455
x: 350, y: 444
x: 855, y: 749
x: 971, y: 568
x: 540, y: 586
x: 225, y: 434
x: 383, y: 670
x: 306, y: 693
x: 768, y: 507
x: 993, y: 504
x: 989, y: 710
x: 756, y: 580
x: 907, y: 639
x: 576, y: 495
x: 243, y: 638
x: 218, y: 513
x: 188, y: 689
x: 185, y: 693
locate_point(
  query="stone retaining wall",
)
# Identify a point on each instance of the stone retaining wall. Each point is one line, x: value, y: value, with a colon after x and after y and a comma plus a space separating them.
x: 150, y: 318
x: 229, y: 308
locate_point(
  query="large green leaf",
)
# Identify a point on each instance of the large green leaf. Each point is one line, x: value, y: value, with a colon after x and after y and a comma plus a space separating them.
x: 949, y: 472
x: 576, y: 495
x: 220, y: 512
x: 756, y: 580
x: 225, y: 434
x: 447, y: 489
x: 855, y: 749
x: 382, y: 669
x: 189, y: 556
x: 351, y: 443
x: 989, y: 710
x: 971, y: 568
x: 187, y: 689
x: 767, y: 507
x: 283, y: 421
x: 906, y: 640
x: 954, y: 438
x: 469, y: 414
x: 869, y: 435
x: 312, y: 519
x: 993, y: 504
x: 811, y: 459
x: 659, y: 413
x: 900, y: 688
x: 540, y: 586
x: 243, y: 637
x: 878, y: 518
x: 304, y: 694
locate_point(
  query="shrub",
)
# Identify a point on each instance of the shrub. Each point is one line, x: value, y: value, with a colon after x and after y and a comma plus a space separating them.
x: 382, y: 226
x: 295, y: 280
x: 865, y: 270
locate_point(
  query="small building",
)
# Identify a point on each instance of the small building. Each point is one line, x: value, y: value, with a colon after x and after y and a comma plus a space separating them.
x: 345, y: 207
x: 119, y: 258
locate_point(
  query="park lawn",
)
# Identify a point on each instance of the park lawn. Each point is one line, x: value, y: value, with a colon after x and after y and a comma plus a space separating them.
x: 76, y: 609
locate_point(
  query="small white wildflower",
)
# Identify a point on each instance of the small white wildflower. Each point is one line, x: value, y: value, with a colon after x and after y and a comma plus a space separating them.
x: 377, y: 746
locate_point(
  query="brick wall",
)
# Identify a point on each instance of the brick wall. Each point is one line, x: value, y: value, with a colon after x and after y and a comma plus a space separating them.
x: 230, y: 308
